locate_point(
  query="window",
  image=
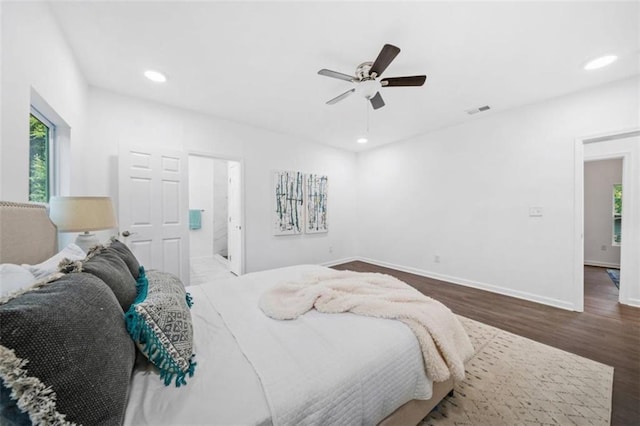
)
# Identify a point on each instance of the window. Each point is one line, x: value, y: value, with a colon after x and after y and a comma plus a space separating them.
x: 41, y: 135
x: 617, y: 214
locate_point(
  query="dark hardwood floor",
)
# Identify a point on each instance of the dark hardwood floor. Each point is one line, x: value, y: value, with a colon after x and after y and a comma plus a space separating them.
x: 606, y: 331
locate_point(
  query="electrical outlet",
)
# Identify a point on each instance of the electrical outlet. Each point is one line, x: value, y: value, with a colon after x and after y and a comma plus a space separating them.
x: 603, y: 247
x: 330, y: 249
x: 436, y: 258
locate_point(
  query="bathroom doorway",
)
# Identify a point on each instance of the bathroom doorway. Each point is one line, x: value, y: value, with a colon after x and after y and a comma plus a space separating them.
x: 215, y: 216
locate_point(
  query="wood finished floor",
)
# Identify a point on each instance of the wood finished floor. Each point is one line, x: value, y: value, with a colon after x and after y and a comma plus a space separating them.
x: 606, y: 331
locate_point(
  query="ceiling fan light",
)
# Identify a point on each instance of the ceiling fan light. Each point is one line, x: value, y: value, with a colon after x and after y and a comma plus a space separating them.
x: 600, y: 62
x: 155, y: 76
x: 362, y: 140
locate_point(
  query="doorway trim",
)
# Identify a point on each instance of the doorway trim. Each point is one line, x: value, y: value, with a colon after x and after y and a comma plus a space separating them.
x: 627, y: 251
x: 242, y: 198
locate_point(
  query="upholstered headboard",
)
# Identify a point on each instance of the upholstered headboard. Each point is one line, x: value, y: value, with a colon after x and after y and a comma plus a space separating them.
x: 26, y: 233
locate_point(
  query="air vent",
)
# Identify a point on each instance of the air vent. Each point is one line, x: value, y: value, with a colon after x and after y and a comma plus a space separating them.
x: 477, y: 110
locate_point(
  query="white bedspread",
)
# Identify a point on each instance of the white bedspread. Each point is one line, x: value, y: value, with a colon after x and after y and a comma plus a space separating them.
x: 253, y: 370
x: 322, y: 368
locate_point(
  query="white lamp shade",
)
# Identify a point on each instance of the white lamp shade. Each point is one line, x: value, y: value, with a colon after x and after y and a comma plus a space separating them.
x: 81, y: 214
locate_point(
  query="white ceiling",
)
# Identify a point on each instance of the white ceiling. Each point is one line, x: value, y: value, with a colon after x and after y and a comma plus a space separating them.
x: 257, y: 62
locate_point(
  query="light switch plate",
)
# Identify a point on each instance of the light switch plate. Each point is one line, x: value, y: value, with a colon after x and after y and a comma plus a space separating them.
x: 535, y: 211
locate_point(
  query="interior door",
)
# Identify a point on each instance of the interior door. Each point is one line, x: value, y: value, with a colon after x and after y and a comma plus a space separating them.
x: 235, y: 219
x: 153, y: 208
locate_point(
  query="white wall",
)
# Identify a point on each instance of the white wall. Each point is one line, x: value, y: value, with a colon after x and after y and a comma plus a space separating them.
x: 36, y: 57
x: 463, y: 193
x: 201, y: 198
x: 599, y: 178
x: 125, y: 120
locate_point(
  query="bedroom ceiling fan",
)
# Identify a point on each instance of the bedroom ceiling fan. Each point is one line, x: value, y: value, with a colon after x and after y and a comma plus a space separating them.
x: 366, y: 79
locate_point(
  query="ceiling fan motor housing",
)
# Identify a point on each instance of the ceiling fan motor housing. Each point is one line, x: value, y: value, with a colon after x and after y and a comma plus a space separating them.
x: 368, y: 88
x: 362, y: 72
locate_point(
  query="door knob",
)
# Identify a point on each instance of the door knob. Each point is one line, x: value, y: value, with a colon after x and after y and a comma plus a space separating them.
x: 126, y: 233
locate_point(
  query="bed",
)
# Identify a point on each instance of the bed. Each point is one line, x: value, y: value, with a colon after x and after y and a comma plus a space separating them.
x: 346, y: 369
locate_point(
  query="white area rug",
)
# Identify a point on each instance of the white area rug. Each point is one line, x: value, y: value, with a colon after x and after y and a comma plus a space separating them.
x: 512, y: 380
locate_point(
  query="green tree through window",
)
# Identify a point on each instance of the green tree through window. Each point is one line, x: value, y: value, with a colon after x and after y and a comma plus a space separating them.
x: 38, y: 160
x: 617, y: 213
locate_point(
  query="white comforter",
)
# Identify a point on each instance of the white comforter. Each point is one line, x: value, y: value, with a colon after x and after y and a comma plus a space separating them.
x: 319, y: 369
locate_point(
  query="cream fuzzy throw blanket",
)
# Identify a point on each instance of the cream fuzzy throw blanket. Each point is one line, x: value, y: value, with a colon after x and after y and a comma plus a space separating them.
x: 444, y: 342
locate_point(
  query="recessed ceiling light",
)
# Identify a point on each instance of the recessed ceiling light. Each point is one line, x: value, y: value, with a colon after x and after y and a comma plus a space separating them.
x: 156, y: 76
x: 600, y: 62
x: 362, y: 140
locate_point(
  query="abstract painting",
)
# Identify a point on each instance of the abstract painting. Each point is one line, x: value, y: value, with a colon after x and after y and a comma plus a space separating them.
x: 288, y: 196
x: 316, y: 203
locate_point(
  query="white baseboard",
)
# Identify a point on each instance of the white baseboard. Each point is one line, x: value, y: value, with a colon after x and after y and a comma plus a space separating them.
x: 601, y: 264
x: 633, y: 302
x: 475, y: 284
x: 339, y: 261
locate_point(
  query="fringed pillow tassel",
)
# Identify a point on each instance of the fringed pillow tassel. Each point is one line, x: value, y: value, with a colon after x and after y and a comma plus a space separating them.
x: 134, y: 324
x: 33, y: 397
x: 142, y: 286
x: 68, y: 266
x: 133, y: 321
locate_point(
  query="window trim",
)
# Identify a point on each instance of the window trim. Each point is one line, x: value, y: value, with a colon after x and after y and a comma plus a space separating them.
x: 52, y: 158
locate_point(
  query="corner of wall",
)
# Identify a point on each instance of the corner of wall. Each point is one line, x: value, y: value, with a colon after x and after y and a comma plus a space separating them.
x: 29, y: 26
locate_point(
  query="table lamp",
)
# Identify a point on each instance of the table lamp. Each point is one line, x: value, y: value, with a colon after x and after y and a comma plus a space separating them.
x: 82, y: 214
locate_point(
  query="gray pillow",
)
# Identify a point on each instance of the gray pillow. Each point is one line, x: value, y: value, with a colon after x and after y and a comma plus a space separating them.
x: 110, y: 268
x: 65, y: 353
x: 125, y: 254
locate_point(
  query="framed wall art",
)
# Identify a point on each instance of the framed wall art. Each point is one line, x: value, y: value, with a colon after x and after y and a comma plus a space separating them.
x: 288, y: 188
x: 315, y: 195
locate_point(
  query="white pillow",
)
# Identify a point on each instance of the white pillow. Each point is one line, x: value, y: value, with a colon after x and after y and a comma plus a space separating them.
x: 13, y: 278
x: 49, y: 266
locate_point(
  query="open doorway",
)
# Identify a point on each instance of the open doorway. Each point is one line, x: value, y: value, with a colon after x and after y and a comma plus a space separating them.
x: 603, y: 194
x: 215, y: 230
x: 621, y: 146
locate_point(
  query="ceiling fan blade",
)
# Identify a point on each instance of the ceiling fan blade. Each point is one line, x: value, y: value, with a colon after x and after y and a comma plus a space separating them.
x: 376, y: 101
x: 414, y: 80
x: 386, y: 55
x: 340, y: 97
x: 336, y: 74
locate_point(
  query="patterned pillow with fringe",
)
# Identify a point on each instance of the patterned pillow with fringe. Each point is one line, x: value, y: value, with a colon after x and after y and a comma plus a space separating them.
x: 159, y: 321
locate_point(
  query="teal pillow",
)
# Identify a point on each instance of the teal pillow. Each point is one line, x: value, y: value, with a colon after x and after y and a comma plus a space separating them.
x: 159, y: 321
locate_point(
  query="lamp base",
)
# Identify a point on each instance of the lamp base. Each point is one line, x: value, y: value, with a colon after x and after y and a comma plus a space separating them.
x: 86, y: 240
